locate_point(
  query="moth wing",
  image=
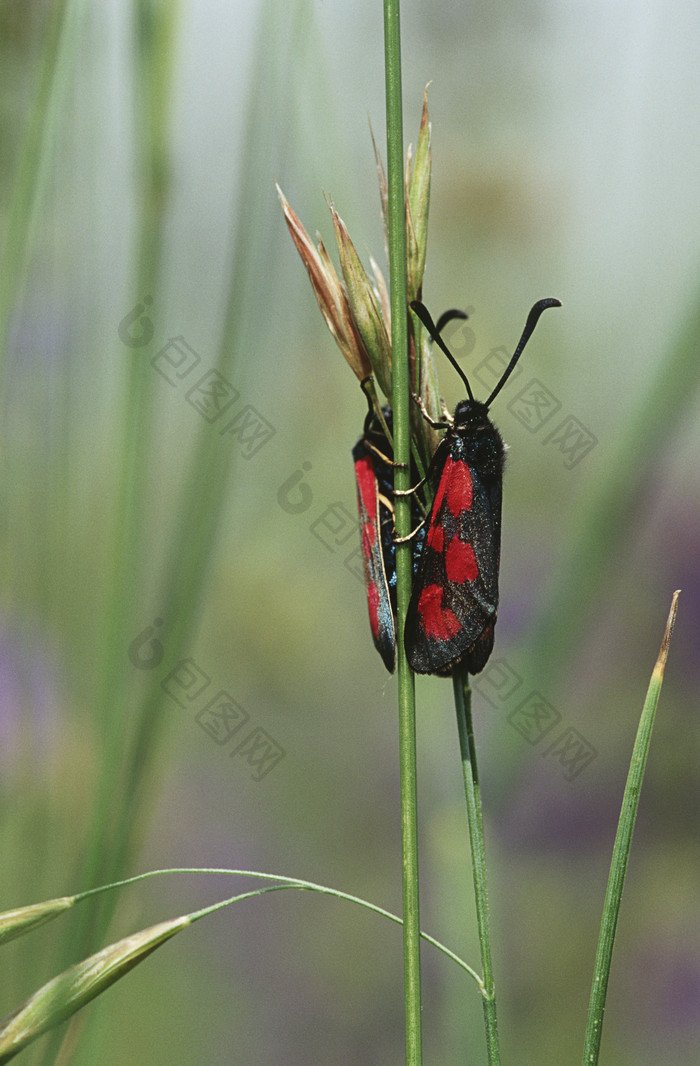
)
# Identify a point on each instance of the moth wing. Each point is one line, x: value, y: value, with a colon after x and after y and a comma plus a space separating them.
x: 454, y: 603
x: 374, y: 516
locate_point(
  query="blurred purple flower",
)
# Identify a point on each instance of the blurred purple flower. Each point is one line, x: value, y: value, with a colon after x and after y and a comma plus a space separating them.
x: 665, y: 977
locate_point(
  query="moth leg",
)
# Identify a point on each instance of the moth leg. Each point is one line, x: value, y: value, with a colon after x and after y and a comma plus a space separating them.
x: 431, y: 422
x: 389, y: 505
x: 409, y: 492
x: 371, y: 412
x: 411, y: 535
x: 384, y: 458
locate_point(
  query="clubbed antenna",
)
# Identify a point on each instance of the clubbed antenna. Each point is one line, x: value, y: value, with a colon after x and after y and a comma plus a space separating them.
x: 424, y: 315
x: 532, y: 320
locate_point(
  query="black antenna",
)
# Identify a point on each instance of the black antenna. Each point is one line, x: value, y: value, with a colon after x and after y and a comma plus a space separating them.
x: 448, y: 316
x: 424, y: 315
x: 532, y: 320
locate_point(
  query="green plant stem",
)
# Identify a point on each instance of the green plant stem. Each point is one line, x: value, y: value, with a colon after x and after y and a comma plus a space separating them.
x: 621, y: 852
x: 400, y: 404
x: 36, y: 157
x: 472, y: 792
x: 154, y: 47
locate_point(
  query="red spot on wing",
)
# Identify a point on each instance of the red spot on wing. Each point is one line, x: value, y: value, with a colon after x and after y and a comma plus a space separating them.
x: 436, y: 538
x: 439, y: 622
x: 460, y: 562
x: 455, y: 488
x: 367, y: 504
x: 366, y: 483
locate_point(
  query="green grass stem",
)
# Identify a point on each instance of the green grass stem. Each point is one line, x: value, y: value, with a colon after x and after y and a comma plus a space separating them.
x: 621, y: 851
x: 402, y: 445
x: 33, y: 168
x: 472, y: 792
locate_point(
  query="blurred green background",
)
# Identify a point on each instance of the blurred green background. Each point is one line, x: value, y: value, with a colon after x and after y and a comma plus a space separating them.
x: 138, y: 147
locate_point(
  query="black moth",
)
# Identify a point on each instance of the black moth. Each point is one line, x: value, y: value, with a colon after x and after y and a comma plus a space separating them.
x: 454, y: 604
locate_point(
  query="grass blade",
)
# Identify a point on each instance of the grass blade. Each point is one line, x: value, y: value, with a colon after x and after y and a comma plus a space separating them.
x: 621, y: 850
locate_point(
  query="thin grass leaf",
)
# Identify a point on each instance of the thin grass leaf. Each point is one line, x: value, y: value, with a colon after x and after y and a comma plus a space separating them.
x: 113, y: 828
x: 197, y: 513
x: 71, y: 990
x: 33, y: 169
x: 57, y: 906
x: 621, y: 850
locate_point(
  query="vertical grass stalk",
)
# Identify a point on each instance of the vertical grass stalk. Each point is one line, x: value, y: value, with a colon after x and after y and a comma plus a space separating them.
x: 33, y: 167
x: 400, y: 404
x: 472, y: 792
x: 153, y: 55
